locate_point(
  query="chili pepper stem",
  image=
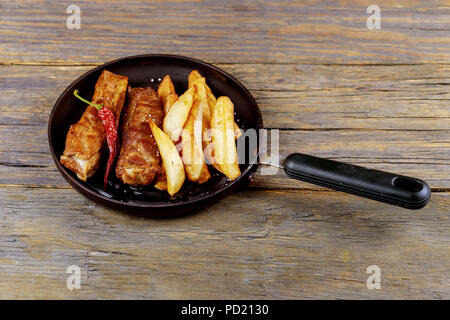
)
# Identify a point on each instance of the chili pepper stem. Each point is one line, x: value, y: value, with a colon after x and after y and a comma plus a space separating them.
x: 98, y: 106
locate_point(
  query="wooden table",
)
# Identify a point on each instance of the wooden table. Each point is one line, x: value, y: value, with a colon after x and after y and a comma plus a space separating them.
x: 333, y: 87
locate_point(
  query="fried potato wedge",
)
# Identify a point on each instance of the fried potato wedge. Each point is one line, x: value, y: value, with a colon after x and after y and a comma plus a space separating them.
x: 223, y: 138
x: 237, y: 130
x: 165, y: 89
x: 161, y: 180
x: 191, y: 140
x: 205, y: 175
x: 209, y: 156
x: 171, y: 99
x: 200, y: 94
x: 177, y: 115
x: 168, y: 96
x: 173, y: 166
x: 193, y: 78
x: 161, y: 185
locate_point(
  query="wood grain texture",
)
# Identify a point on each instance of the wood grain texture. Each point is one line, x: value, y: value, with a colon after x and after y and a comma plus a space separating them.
x: 226, y: 31
x: 335, y: 89
x: 253, y: 244
x: 294, y: 96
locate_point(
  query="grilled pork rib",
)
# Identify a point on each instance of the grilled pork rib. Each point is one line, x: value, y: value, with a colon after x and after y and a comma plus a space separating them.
x: 139, y: 159
x: 86, y: 138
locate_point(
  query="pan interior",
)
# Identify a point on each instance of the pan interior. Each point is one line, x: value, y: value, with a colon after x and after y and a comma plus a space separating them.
x: 148, y: 71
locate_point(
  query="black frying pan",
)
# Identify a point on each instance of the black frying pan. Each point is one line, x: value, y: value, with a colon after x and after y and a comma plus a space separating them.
x: 145, y: 70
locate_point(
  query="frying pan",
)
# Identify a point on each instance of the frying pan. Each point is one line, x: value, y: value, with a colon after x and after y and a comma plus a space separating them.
x: 148, y: 70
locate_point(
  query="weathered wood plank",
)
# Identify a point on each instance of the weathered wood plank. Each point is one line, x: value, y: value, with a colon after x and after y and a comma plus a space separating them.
x: 290, y: 96
x: 25, y: 157
x: 226, y: 31
x: 385, y: 107
x: 252, y: 244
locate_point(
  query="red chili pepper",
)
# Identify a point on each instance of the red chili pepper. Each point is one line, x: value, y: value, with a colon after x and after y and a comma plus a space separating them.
x: 109, y: 123
x: 111, y: 138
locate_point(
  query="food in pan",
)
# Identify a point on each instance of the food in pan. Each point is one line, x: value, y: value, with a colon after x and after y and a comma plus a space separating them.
x: 164, y: 137
x: 201, y: 100
x: 139, y: 159
x: 109, y: 122
x: 178, y: 114
x: 86, y: 138
x: 195, y: 79
x: 202, y: 96
x: 168, y: 96
x: 191, y: 142
x: 161, y: 180
x: 167, y: 93
x: 192, y: 78
x: 223, y: 137
x: 173, y: 166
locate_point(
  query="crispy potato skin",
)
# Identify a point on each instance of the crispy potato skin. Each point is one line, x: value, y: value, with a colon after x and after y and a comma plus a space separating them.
x: 86, y: 138
x: 139, y: 159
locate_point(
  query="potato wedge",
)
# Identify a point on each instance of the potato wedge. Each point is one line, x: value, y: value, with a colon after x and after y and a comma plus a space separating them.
x: 205, y: 175
x: 200, y: 94
x: 223, y: 138
x: 191, y: 140
x: 168, y: 96
x: 177, y: 115
x: 161, y: 180
x: 171, y: 99
x: 165, y: 89
x: 237, y: 130
x: 208, y: 149
x: 161, y: 185
x: 173, y: 166
x: 193, y: 77
x: 203, y: 91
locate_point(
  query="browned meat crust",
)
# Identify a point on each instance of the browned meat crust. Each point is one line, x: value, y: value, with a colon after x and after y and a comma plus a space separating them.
x: 86, y: 138
x: 139, y: 160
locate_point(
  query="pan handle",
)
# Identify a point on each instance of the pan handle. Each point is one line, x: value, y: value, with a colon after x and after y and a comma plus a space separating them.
x: 378, y: 185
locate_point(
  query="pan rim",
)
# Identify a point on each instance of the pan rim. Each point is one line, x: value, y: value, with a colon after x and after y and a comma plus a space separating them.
x: 90, y: 193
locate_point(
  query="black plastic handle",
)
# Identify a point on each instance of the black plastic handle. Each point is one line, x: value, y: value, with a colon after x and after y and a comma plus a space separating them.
x: 378, y: 185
